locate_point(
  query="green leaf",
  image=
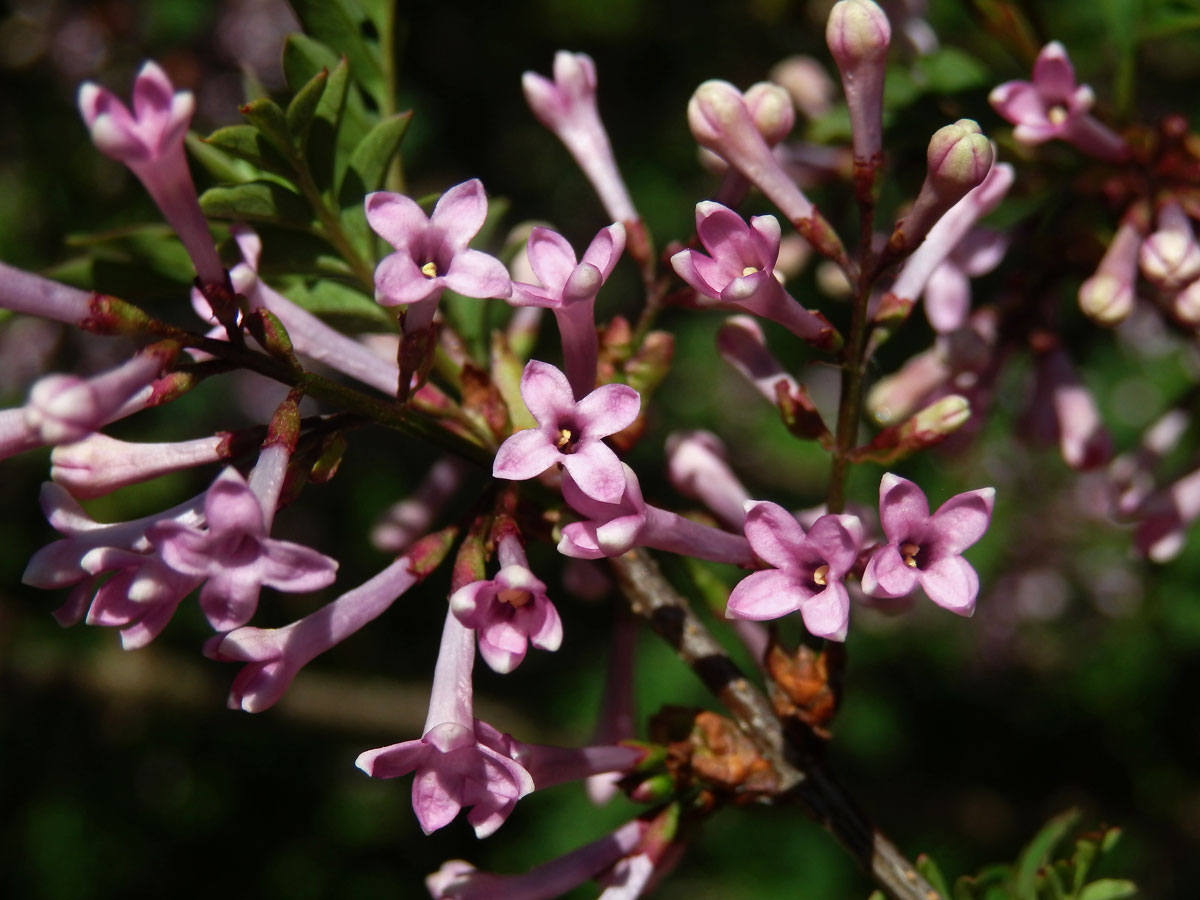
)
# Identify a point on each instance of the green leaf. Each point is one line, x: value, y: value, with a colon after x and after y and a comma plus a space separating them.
x: 1110, y: 839
x: 1037, y: 852
x: 369, y: 162
x: 304, y: 57
x: 327, y: 298
x: 1084, y: 856
x: 339, y: 23
x: 271, y: 121
x: 247, y: 142
x: 930, y: 872
x: 1109, y: 889
x: 221, y: 165
x: 152, y: 246
x: 303, y: 107
x: 950, y: 70
x: 257, y: 201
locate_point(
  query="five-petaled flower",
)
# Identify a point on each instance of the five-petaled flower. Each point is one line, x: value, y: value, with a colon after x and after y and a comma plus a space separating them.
x: 569, y: 432
x: 806, y: 573
x: 431, y: 252
x: 926, y: 550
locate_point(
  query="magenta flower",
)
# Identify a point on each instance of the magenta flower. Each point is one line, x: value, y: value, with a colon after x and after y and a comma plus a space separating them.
x: 927, y: 550
x: 508, y: 611
x: 455, y: 765
x: 569, y: 432
x: 807, y: 569
x: 235, y: 554
x: 1054, y: 106
x: 140, y: 596
x: 570, y: 289
x: 740, y: 270
x: 431, y: 252
x: 150, y: 142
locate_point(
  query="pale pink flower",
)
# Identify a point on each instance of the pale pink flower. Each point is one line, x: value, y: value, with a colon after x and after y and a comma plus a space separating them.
x: 927, y: 550
x: 947, y: 295
x: 1170, y: 256
x: 99, y: 464
x: 807, y: 569
x: 1108, y: 296
x: 1053, y: 105
x: 569, y: 432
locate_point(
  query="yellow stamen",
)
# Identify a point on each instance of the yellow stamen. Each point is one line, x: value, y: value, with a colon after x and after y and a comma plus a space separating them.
x: 820, y: 575
x: 909, y: 552
x: 514, y: 597
x: 564, y: 438
x: 429, y: 270
x: 749, y: 270
x: 1057, y: 115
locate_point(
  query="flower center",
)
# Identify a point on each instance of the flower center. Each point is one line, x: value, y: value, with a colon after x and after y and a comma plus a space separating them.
x: 821, y: 575
x: 1057, y: 114
x: 909, y: 551
x: 429, y: 270
x: 566, y: 440
x: 749, y: 270
x: 514, y: 597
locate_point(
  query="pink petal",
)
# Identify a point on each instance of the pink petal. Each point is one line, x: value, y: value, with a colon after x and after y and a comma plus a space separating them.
x: 533, y: 295
x: 744, y: 287
x: 184, y: 549
x: 585, y: 282
x: 952, y: 584
x: 620, y: 534
x: 887, y: 575
x: 399, y: 280
x: 597, y: 471
x: 774, y: 534
x: 476, y: 274
x: 548, y: 632
x: 550, y: 257
x: 766, y: 595
x: 152, y: 92
x: 295, y: 568
x: 827, y: 614
x: 836, y: 539
x: 1053, y: 75
x: 547, y: 393
x: 1018, y: 102
x: 947, y: 297
x: 608, y: 409
x: 433, y: 803
x: 460, y: 212
x: 605, y: 249
x: 685, y: 265
x: 579, y: 541
x: 229, y: 598
x: 502, y: 647
x: 963, y: 519
x: 526, y: 454
x: 724, y: 233
x: 394, y: 760
x: 765, y: 234
x: 230, y: 506
x: 396, y: 218
x: 903, y: 509
x: 471, y: 603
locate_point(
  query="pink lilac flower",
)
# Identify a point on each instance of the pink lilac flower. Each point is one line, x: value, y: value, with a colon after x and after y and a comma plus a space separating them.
x: 927, y: 550
x: 739, y: 270
x: 140, y: 595
x: 567, y: 106
x: 431, y: 252
x: 807, y: 569
x: 98, y: 464
x: 569, y: 288
x: 510, y: 611
x: 858, y: 34
x: 1054, y: 106
x: 611, y: 529
x: 459, y: 880
x: 773, y: 114
x: 235, y: 555
x: 456, y: 765
x: 569, y: 432
x: 275, y: 655
x: 150, y: 142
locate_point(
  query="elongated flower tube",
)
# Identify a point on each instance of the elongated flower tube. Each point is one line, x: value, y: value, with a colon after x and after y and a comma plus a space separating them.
x: 1053, y: 105
x: 1063, y: 411
x: 455, y: 767
x: 33, y: 295
x: 1170, y: 257
x: 569, y: 432
x: 927, y: 550
x: 510, y: 611
x: 739, y: 271
x: 275, y: 655
x: 958, y: 159
x: 404, y: 521
x: 432, y: 253
x: 567, y: 107
x: 858, y: 34
x: 611, y: 529
x: 569, y: 289
x: 1107, y: 297
x: 459, y: 880
x: 98, y: 464
x: 150, y: 142
x: 742, y: 344
x: 234, y: 554
x: 698, y: 467
x: 771, y: 111
x: 807, y: 569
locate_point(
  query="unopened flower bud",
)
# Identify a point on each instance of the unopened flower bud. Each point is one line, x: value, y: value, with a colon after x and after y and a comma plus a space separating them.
x: 806, y: 81
x: 771, y: 109
x: 1186, y: 305
x: 1107, y: 297
x: 1170, y: 257
x: 858, y: 34
x: 959, y: 159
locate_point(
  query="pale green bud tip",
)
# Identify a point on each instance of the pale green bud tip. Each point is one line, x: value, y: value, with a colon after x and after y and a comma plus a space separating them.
x: 943, y: 416
x: 857, y: 31
x: 716, y: 108
x: 771, y: 109
x: 959, y: 156
x: 1106, y: 300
